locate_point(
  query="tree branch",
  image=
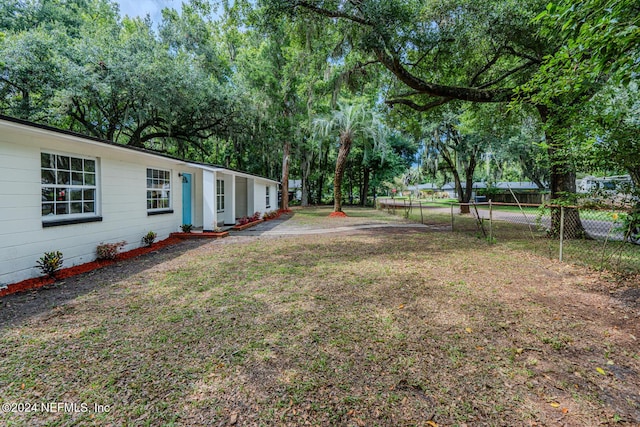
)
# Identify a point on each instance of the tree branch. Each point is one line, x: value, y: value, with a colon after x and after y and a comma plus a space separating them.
x: 506, y: 74
x: 361, y: 65
x: 533, y: 59
x: 487, y: 66
x: 332, y: 13
x: 418, y: 107
x: 10, y: 83
x: 415, y: 64
x: 393, y: 64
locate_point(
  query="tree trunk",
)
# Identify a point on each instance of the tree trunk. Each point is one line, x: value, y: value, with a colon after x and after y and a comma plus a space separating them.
x: 25, y: 105
x: 365, y: 185
x: 305, y: 166
x: 286, y: 149
x: 464, y: 209
x: 468, y: 191
x: 323, y: 167
x: 350, y: 186
x: 562, y: 179
x: 305, y: 190
x: 341, y: 163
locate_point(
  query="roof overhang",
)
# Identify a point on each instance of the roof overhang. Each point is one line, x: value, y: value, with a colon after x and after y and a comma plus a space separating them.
x: 38, y: 128
x: 230, y: 172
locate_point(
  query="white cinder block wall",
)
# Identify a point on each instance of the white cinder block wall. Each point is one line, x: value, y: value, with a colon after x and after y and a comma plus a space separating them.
x: 259, y: 197
x: 121, y: 202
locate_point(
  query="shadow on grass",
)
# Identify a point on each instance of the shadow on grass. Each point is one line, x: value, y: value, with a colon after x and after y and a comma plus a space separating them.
x: 16, y: 308
x: 262, y: 227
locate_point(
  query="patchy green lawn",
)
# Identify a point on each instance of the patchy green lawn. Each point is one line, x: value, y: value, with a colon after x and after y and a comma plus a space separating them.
x: 380, y: 327
x: 602, y: 254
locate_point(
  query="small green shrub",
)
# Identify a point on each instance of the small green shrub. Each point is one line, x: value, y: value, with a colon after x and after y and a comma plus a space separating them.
x: 109, y: 250
x: 50, y: 263
x: 149, y: 238
x: 186, y: 228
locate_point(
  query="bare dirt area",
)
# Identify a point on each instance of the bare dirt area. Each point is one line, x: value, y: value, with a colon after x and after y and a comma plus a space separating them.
x: 382, y: 326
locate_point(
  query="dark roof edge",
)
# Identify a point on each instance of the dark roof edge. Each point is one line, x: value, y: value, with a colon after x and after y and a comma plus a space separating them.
x: 115, y: 144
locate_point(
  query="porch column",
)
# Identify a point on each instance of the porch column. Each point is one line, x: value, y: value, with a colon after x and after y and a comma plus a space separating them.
x: 251, y: 206
x: 209, y: 221
x: 230, y: 216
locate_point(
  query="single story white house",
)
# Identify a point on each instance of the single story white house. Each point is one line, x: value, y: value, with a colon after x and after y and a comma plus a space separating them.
x: 61, y: 191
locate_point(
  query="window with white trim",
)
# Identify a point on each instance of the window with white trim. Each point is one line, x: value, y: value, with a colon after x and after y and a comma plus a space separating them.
x: 158, y: 190
x: 69, y: 187
x: 268, y: 196
x: 220, y: 195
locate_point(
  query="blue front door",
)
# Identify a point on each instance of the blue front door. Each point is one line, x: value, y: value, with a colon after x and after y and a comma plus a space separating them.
x: 186, y: 198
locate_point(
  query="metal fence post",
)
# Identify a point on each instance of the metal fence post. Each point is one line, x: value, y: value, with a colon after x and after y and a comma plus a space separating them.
x: 421, y: 216
x: 561, y: 233
x: 451, y: 217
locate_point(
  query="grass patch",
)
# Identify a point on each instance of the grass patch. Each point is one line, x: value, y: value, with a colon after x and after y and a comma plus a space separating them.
x: 374, y: 328
x: 598, y: 254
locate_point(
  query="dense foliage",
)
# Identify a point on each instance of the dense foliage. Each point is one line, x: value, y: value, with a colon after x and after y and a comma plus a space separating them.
x: 481, y: 89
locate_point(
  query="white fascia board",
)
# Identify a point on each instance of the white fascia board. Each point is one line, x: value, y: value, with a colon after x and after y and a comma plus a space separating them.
x: 207, y: 168
x: 81, y: 140
x: 231, y: 172
x: 114, y: 146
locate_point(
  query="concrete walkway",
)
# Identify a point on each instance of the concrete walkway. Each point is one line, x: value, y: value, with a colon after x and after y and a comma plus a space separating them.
x: 287, y: 226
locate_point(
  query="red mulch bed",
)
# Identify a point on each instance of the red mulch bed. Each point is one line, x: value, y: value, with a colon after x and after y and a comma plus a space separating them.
x: 241, y: 227
x: 337, y: 215
x: 39, y: 282
x: 280, y: 212
x: 204, y: 234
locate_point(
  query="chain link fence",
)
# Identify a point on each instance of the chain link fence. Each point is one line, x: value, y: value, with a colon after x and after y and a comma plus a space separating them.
x: 606, y: 239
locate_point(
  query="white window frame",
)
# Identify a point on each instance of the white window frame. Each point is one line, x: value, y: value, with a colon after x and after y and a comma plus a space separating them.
x: 158, y: 181
x: 66, y: 189
x: 267, y: 192
x: 220, y: 202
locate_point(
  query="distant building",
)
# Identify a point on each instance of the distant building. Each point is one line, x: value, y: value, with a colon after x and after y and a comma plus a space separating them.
x: 503, y: 187
x: 450, y: 188
x: 295, y: 189
x: 614, y: 184
x: 517, y: 186
x: 417, y: 189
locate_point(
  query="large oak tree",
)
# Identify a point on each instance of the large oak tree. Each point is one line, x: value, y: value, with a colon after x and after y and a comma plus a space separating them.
x: 443, y: 50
